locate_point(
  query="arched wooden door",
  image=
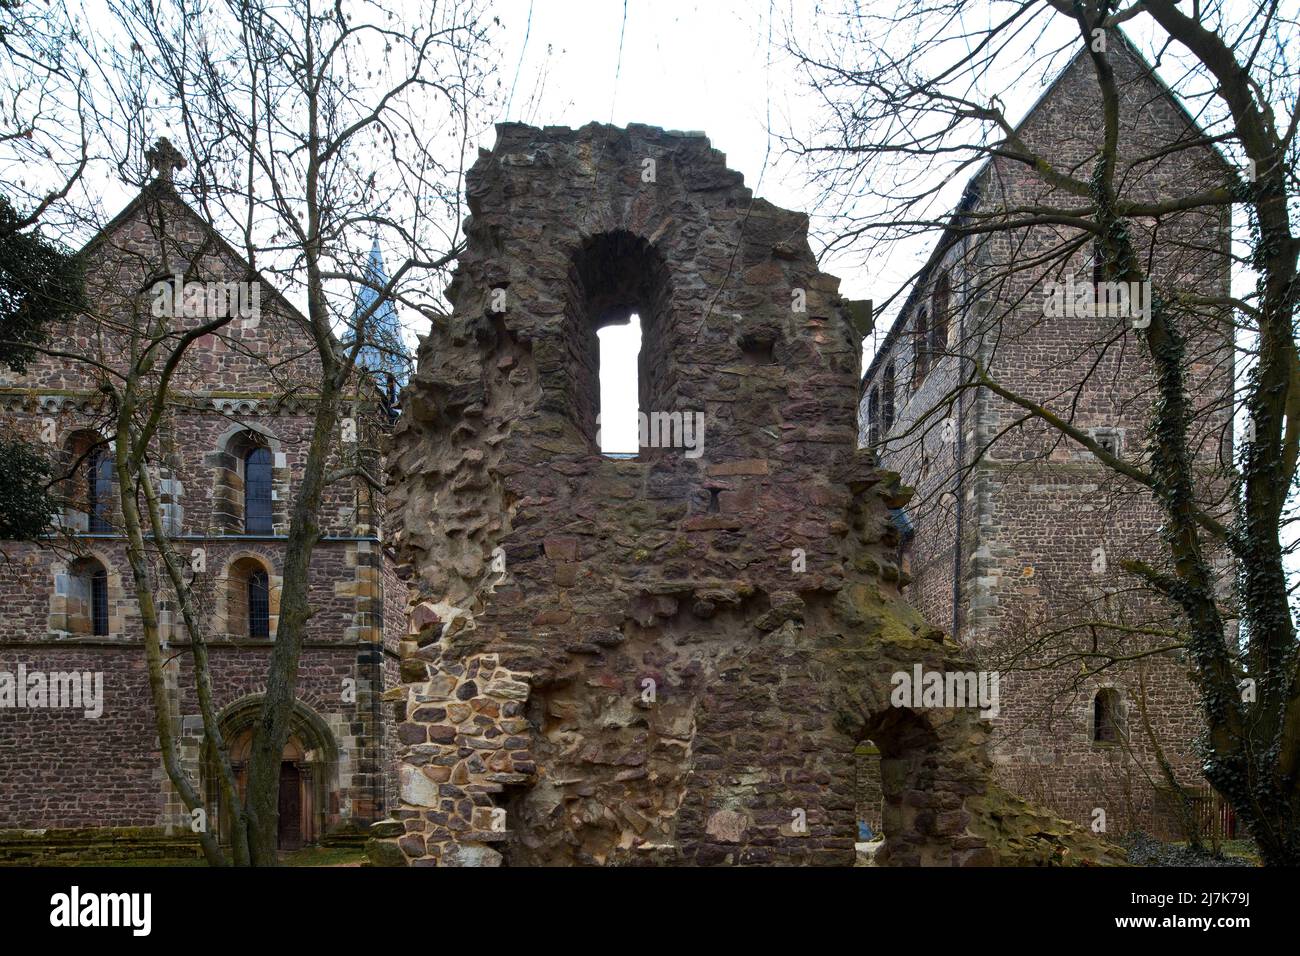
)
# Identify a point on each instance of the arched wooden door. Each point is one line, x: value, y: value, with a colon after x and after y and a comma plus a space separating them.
x: 291, y: 801
x: 297, y: 800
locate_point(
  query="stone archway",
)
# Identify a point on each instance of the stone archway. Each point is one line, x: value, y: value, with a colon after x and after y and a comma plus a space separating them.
x: 308, y: 772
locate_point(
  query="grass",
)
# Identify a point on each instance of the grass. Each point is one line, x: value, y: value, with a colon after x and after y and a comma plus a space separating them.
x: 307, y: 856
x: 1242, y: 848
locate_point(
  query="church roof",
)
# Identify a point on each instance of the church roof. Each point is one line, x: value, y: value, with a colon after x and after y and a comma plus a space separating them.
x: 971, y: 194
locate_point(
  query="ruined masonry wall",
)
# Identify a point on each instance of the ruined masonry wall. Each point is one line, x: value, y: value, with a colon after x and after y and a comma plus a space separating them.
x: 622, y: 661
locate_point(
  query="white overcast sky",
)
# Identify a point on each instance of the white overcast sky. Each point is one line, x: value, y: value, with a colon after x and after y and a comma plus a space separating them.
x: 713, y: 66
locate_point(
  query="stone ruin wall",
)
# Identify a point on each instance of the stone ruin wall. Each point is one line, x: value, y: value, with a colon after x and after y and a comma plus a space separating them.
x: 618, y: 661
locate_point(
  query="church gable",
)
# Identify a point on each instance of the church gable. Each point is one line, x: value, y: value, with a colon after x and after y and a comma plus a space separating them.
x: 158, y: 270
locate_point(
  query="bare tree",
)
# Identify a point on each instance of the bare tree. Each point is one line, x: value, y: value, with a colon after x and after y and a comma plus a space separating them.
x: 914, y: 100
x: 44, y: 151
x: 307, y: 132
x: 311, y: 128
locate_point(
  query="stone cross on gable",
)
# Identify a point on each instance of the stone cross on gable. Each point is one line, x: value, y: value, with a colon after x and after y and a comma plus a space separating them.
x: 165, y: 158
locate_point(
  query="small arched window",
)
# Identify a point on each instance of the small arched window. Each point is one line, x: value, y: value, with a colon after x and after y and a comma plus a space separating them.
x: 85, y: 593
x: 942, y: 315
x: 99, y: 490
x: 920, y: 347
x: 99, y: 602
x: 257, y: 491
x: 887, y: 398
x: 1107, y: 716
x: 618, y: 378
x: 873, y: 418
x: 259, y: 604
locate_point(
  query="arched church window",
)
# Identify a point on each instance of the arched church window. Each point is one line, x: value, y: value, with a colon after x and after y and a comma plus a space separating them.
x: 920, y: 347
x: 257, y: 491
x: 873, y: 418
x: 99, y: 490
x: 941, y: 318
x: 99, y: 602
x: 259, y: 603
x: 887, y: 398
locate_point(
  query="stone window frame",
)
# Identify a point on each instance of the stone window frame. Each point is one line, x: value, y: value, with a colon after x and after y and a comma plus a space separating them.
x: 888, y: 398
x: 232, y: 596
x: 874, y: 431
x: 1113, y: 435
x: 940, y: 317
x: 597, y: 296
x: 77, y: 462
x: 920, y: 346
x: 70, y: 608
x: 227, y: 464
x: 1118, y: 713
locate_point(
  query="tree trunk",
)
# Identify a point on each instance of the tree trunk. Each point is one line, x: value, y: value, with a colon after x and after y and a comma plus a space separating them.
x: 128, y: 472
x: 271, y: 732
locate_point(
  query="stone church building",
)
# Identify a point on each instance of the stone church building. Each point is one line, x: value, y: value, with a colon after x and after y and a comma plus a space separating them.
x: 228, y: 459
x: 1014, y: 539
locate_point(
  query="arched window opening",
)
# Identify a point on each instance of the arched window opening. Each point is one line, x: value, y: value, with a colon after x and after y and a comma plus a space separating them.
x: 887, y: 398
x: 942, y: 315
x: 618, y: 420
x: 244, y: 479
x: 920, y: 347
x: 257, y: 491
x: 99, y: 490
x: 259, y: 604
x: 1107, y: 716
x: 617, y: 320
x: 99, y: 603
x: 249, y: 610
x: 85, y: 593
x: 873, y: 418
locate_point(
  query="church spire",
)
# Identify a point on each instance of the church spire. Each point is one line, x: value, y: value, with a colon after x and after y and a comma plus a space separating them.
x: 384, y: 354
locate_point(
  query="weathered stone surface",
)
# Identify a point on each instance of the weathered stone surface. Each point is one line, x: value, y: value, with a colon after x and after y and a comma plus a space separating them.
x: 417, y: 789
x: 470, y: 854
x: 727, y: 826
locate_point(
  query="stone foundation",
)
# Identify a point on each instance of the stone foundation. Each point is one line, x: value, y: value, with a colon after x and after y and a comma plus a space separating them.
x: 95, y: 845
